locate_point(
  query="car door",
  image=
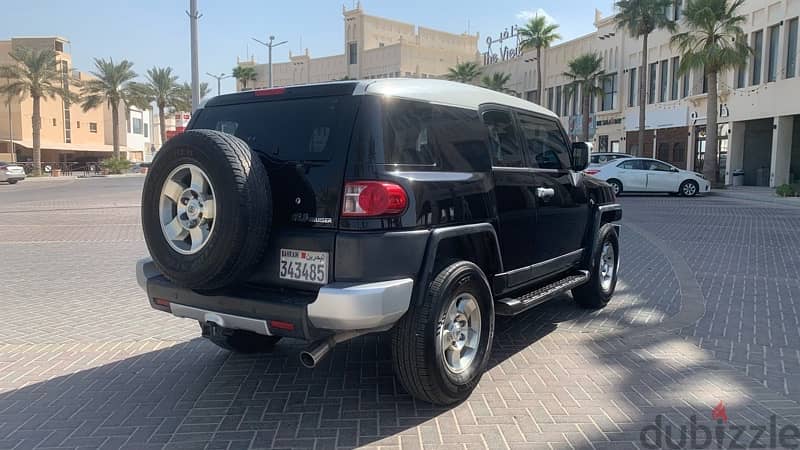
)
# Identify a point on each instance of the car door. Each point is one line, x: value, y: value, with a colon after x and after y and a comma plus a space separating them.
x: 661, y: 177
x: 561, y: 202
x: 632, y: 174
x: 514, y: 190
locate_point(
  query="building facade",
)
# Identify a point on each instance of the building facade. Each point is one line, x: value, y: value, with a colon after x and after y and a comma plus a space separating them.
x: 375, y: 47
x: 759, y: 123
x: 68, y: 133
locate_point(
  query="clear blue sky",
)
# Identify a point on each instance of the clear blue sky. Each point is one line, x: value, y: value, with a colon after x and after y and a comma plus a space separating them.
x: 156, y: 32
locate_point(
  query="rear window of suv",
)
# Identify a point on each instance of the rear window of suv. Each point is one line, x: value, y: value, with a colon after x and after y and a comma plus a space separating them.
x: 309, y: 129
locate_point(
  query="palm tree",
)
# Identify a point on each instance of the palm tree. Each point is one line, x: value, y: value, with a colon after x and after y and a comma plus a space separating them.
x: 183, y: 97
x: 465, y: 72
x: 244, y: 74
x: 538, y: 34
x: 163, y: 89
x: 112, y: 84
x: 35, y: 73
x: 640, y: 18
x: 497, y: 82
x: 714, y: 42
x: 584, y: 72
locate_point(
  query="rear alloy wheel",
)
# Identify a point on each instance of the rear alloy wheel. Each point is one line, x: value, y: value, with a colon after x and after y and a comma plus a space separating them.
x: 689, y: 188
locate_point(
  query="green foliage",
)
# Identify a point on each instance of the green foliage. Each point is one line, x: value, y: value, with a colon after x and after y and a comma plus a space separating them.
x: 183, y: 97
x: 116, y: 165
x: 497, y: 82
x: 714, y: 40
x: 537, y: 33
x: 788, y: 190
x: 642, y: 17
x: 465, y: 72
x: 244, y: 74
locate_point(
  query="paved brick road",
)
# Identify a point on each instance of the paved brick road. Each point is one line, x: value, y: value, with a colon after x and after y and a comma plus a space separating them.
x: 706, y: 310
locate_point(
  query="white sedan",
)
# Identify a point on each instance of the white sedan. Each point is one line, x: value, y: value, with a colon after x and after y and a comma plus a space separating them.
x: 650, y: 175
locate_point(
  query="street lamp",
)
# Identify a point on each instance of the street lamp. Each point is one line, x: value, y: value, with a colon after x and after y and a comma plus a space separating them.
x: 219, y: 78
x: 269, y: 46
x: 194, y: 16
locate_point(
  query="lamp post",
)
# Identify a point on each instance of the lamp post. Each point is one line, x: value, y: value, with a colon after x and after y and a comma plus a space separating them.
x: 194, y: 16
x: 269, y: 46
x: 219, y: 78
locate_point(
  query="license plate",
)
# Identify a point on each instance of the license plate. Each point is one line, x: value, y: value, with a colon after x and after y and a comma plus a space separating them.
x: 302, y: 265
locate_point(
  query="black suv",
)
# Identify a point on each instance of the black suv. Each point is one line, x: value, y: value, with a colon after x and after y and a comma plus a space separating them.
x: 424, y: 207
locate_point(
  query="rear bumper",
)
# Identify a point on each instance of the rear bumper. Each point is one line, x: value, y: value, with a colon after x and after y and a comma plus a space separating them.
x: 337, y: 307
x: 12, y: 176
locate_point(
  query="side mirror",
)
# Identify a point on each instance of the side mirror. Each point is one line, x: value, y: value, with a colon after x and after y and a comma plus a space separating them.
x: 675, y: 170
x: 580, y: 156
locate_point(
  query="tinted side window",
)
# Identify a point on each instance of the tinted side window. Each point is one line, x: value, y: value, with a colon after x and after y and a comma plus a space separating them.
x: 658, y: 166
x: 424, y: 134
x: 546, y: 146
x: 635, y: 164
x: 503, y: 139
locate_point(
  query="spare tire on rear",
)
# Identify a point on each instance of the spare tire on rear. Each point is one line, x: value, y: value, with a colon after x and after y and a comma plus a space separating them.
x: 206, y: 209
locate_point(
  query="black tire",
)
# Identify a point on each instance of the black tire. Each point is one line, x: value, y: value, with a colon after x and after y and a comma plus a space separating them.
x: 593, y: 295
x: 417, y: 354
x: 689, y: 188
x: 616, y: 185
x: 243, y: 209
x: 12, y: 181
x: 243, y: 341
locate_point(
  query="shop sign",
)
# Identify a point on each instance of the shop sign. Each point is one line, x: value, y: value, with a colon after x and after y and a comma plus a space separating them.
x: 508, y: 46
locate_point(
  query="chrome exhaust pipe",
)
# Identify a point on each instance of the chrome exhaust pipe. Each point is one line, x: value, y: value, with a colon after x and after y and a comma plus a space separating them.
x: 316, y: 352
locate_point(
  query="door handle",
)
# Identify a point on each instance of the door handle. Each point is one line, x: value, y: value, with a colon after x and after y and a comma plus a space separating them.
x: 545, y: 192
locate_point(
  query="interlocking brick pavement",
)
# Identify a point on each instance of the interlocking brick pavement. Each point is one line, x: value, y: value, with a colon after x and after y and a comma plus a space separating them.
x: 84, y: 362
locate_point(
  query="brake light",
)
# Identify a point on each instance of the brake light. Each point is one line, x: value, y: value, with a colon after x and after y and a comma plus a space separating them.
x: 373, y: 198
x: 268, y: 92
x: 162, y: 304
x: 591, y: 171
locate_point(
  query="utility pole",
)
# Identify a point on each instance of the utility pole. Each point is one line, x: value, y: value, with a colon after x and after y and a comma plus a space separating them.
x: 269, y: 46
x: 219, y: 78
x: 194, y: 16
x: 11, y: 132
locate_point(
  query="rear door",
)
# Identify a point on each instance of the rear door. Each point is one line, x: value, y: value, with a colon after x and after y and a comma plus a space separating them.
x: 632, y: 174
x: 561, y: 202
x: 514, y: 190
x: 661, y: 177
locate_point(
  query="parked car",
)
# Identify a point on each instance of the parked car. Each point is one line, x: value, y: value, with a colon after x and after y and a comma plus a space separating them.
x: 600, y: 158
x: 11, y: 173
x: 650, y: 175
x: 140, y: 167
x: 324, y: 212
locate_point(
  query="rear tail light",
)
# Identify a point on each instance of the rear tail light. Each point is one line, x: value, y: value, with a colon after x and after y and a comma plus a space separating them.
x: 591, y: 171
x: 373, y: 198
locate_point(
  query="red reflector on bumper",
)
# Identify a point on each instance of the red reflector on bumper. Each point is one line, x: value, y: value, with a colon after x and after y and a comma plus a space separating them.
x: 281, y: 325
x: 164, y: 304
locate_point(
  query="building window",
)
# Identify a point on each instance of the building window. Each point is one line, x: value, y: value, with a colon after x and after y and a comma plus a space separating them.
x: 136, y: 123
x: 685, y: 92
x: 575, y: 97
x: 662, y: 92
x: 791, y: 53
x: 78, y: 124
x: 678, y: 153
x: 602, y: 143
x: 633, y: 88
x: 651, y: 98
x: 609, y: 92
x: 741, y: 73
x: 772, y: 61
x: 614, y: 146
x: 673, y: 91
x: 758, y: 49
x: 677, y: 10
x: 54, y: 122
x: 92, y: 127
x: 558, y: 101
x: 146, y: 129
x: 550, y: 99
x: 352, y: 53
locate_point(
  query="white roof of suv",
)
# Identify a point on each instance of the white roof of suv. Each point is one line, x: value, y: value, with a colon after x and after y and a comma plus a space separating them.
x: 445, y: 93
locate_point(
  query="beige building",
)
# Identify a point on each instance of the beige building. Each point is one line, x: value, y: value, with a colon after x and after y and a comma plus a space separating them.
x: 759, y: 118
x: 68, y: 133
x: 375, y: 47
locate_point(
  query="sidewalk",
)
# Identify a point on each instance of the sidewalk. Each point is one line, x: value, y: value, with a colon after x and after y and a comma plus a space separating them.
x: 45, y: 178
x: 757, y: 194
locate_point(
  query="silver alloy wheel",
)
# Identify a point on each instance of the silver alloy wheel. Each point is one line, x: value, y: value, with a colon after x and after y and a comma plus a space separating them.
x: 187, y: 209
x: 689, y: 189
x: 607, y: 265
x: 616, y: 188
x: 460, y: 332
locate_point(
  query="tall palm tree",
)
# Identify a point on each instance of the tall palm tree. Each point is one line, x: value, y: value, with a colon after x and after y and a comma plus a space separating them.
x: 584, y: 71
x: 34, y: 73
x: 162, y: 88
x: 497, y: 82
x: 538, y: 34
x: 112, y: 84
x: 465, y: 72
x: 640, y: 18
x: 183, y: 98
x: 244, y: 74
x: 714, y: 42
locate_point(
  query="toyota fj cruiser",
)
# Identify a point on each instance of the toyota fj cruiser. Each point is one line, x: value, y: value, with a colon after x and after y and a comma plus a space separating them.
x: 423, y: 207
